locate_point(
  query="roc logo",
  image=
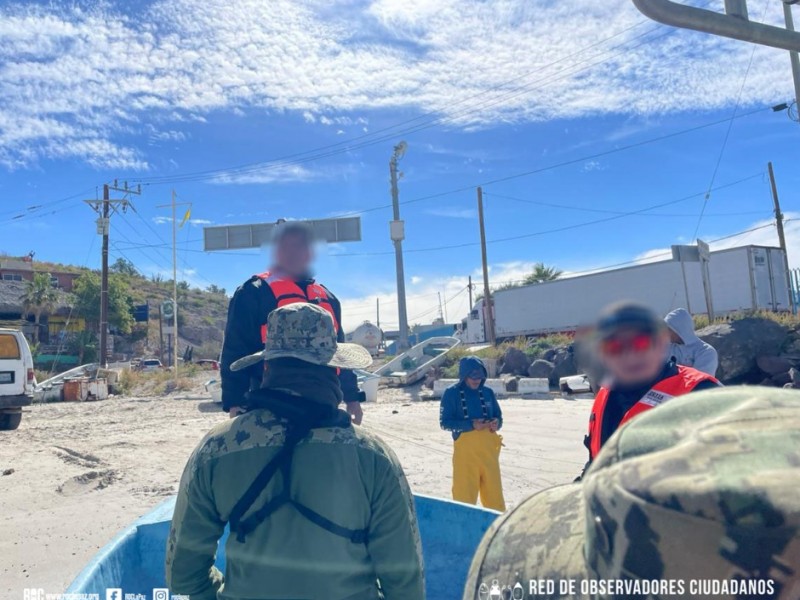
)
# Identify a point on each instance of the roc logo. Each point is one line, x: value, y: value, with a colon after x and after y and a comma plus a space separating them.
x: 495, y: 592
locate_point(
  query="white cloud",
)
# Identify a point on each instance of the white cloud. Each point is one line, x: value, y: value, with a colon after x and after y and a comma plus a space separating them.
x: 170, y: 135
x: 423, y: 300
x: 272, y: 174
x: 74, y: 80
x: 593, y: 165
x: 452, y: 212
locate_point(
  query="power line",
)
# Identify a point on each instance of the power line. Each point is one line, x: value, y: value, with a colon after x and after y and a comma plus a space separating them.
x: 559, y: 165
x: 557, y: 229
x: 618, y: 212
x: 727, y: 137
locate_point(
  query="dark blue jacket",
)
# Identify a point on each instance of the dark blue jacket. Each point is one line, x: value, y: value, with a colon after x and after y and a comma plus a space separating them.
x: 451, y: 410
x: 247, y: 312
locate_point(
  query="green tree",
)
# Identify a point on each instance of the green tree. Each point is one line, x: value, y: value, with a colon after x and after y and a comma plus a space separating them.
x: 84, y: 345
x: 215, y: 289
x: 124, y: 267
x: 183, y: 291
x: 86, y: 291
x: 541, y: 273
x: 40, y: 297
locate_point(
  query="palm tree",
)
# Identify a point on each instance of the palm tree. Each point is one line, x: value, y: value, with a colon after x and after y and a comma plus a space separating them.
x: 39, y: 297
x: 542, y: 273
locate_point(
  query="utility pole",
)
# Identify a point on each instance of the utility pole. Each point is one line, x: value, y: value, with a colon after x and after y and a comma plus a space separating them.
x: 160, y: 334
x: 378, y: 311
x: 105, y: 208
x: 173, y: 205
x: 781, y: 233
x: 106, y: 225
x: 793, y: 55
x: 397, y: 234
x: 470, y: 292
x: 487, y: 294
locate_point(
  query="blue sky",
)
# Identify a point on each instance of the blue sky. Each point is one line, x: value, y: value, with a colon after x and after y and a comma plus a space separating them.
x: 567, y: 113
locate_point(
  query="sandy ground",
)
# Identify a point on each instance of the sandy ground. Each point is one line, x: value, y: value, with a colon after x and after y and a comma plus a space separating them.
x: 74, y: 474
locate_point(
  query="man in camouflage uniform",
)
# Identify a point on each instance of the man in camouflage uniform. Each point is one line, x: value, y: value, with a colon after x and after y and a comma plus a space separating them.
x: 318, y: 509
x: 698, y: 499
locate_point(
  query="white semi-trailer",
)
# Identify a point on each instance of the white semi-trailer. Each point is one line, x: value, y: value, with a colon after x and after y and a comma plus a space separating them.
x: 741, y: 279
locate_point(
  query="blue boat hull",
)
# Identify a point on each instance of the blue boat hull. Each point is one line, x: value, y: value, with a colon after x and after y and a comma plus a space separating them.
x: 134, y: 560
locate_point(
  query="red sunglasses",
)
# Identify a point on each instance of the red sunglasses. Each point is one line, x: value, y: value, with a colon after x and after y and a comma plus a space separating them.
x: 638, y: 343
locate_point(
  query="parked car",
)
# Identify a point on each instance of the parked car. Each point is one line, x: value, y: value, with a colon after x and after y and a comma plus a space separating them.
x: 150, y: 364
x: 17, y: 378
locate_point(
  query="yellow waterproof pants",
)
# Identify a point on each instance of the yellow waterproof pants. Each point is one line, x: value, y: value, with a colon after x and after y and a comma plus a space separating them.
x: 476, y: 469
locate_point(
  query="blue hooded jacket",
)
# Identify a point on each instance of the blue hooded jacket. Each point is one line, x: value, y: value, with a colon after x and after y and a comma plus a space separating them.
x: 451, y: 411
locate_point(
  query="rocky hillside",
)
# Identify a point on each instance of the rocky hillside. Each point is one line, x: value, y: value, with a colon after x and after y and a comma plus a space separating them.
x: 201, y: 316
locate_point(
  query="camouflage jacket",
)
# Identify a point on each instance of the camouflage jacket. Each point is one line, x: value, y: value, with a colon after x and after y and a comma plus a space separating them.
x: 344, y: 473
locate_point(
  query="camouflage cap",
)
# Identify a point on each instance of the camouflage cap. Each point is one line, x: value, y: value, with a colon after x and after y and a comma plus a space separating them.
x: 306, y: 332
x: 702, y: 492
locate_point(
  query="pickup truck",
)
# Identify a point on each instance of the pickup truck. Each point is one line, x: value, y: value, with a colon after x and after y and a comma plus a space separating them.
x: 17, y: 378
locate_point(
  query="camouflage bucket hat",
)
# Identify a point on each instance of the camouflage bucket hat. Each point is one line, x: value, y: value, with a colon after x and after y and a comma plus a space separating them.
x: 306, y: 332
x: 702, y: 494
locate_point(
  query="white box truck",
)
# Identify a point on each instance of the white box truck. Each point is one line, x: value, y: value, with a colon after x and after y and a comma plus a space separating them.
x: 741, y: 279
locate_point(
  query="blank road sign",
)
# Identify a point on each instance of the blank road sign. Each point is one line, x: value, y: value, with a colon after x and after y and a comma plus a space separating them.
x: 237, y: 237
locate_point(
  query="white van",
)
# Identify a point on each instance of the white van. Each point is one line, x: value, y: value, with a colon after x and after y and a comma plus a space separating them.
x: 17, y: 378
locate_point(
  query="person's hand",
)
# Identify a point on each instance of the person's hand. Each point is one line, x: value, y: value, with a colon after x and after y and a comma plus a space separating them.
x: 355, y: 412
x: 235, y: 411
x: 494, y: 425
x: 479, y: 424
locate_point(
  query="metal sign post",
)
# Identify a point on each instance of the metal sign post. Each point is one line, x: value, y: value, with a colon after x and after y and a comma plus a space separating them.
x: 701, y: 253
x: 239, y: 237
x: 705, y: 257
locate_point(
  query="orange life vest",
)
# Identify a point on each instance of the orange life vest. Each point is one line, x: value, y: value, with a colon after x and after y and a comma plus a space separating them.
x: 679, y: 384
x: 288, y: 292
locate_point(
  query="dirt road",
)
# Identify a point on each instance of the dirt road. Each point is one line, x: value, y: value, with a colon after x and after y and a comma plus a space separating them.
x: 74, y: 474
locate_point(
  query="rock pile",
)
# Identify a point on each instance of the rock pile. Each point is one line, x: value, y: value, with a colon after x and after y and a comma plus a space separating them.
x: 554, y: 364
x: 752, y: 351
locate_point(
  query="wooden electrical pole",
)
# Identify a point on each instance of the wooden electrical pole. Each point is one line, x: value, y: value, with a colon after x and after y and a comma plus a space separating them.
x: 106, y: 227
x: 487, y: 294
x: 397, y: 234
x: 470, y: 293
x: 105, y: 208
x: 781, y: 233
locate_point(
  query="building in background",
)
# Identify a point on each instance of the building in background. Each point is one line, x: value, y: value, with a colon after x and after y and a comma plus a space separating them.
x: 21, y: 269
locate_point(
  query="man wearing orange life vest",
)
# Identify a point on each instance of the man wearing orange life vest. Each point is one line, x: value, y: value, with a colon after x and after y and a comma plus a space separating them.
x: 287, y: 282
x: 633, y: 347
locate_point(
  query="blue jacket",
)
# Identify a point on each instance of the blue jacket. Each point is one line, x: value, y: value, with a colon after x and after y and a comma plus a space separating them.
x: 451, y: 410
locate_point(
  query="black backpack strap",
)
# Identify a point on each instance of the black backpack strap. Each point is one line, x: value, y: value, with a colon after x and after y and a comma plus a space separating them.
x: 297, y: 429
x: 357, y: 536
x: 283, y: 461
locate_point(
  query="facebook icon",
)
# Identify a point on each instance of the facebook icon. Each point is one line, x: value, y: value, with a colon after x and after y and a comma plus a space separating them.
x: 114, y: 594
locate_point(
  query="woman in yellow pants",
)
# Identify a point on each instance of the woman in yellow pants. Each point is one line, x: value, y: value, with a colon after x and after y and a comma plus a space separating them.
x: 470, y: 411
